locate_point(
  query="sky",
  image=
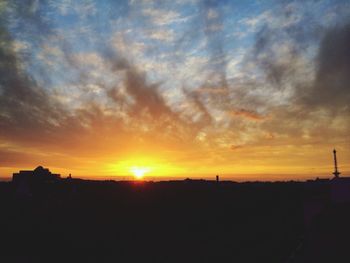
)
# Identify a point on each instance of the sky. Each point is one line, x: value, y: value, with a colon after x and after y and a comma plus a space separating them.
x: 249, y: 90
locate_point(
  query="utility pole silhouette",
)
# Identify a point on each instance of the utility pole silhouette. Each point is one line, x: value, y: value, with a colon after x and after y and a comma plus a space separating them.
x: 336, y: 172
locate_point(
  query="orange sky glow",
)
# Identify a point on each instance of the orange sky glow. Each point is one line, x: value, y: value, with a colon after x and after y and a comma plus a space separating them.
x: 247, y: 91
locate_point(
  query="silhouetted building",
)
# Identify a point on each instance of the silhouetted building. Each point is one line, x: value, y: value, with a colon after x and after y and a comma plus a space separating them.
x: 217, y: 178
x: 38, y: 174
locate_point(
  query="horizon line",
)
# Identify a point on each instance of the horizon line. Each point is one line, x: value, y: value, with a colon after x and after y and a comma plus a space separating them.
x: 223, y: 177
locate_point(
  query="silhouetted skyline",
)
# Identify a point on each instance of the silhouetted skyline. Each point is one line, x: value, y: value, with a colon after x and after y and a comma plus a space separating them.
x: 173, y: 221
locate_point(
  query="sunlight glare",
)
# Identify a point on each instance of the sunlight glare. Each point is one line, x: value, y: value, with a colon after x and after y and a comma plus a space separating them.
x: 139, y: 172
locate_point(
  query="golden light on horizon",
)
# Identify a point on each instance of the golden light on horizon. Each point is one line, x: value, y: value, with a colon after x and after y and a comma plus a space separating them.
x: 140, y: 165
x: 139, y: 172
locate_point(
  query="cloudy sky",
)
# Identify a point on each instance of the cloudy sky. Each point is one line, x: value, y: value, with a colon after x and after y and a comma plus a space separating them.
x: 244, y: 89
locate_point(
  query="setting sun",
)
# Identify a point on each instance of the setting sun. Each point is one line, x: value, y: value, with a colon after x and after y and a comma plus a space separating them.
x: 139, y: 172
x: 140, y: 165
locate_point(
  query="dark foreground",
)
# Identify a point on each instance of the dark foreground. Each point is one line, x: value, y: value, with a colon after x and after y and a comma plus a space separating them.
x: 187, y: 221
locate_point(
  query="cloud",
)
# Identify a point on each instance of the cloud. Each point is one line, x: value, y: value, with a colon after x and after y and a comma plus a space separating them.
x: 68, y: 7
x: 331, y: 85
x: 236, y: 147
x: 112, y: 91
x: 22, y: 102
x: 161, y: 17
x: 204, y: 117
x: 32, y: 115
x: 127, y: 46
x: 288, y: 15
x: 313, y: 81
x: 248, y: 114
x: 166, y: 35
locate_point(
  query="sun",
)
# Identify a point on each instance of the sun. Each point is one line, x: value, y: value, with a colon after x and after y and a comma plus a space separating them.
x: 139, y: 172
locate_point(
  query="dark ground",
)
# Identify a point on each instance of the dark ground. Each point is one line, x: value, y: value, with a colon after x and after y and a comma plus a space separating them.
x: 184, y: 221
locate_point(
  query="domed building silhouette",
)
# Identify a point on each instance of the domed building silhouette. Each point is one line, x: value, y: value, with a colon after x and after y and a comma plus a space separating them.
x: 38, y: 174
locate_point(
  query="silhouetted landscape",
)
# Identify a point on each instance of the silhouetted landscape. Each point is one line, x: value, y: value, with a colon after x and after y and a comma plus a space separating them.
x: 48, y: 219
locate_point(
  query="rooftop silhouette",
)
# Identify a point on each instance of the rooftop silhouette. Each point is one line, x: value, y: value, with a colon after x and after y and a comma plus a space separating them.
x: 38, y: 174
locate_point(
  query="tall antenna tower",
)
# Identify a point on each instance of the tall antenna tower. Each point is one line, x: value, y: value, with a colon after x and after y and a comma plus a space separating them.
x: 336, y: 172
